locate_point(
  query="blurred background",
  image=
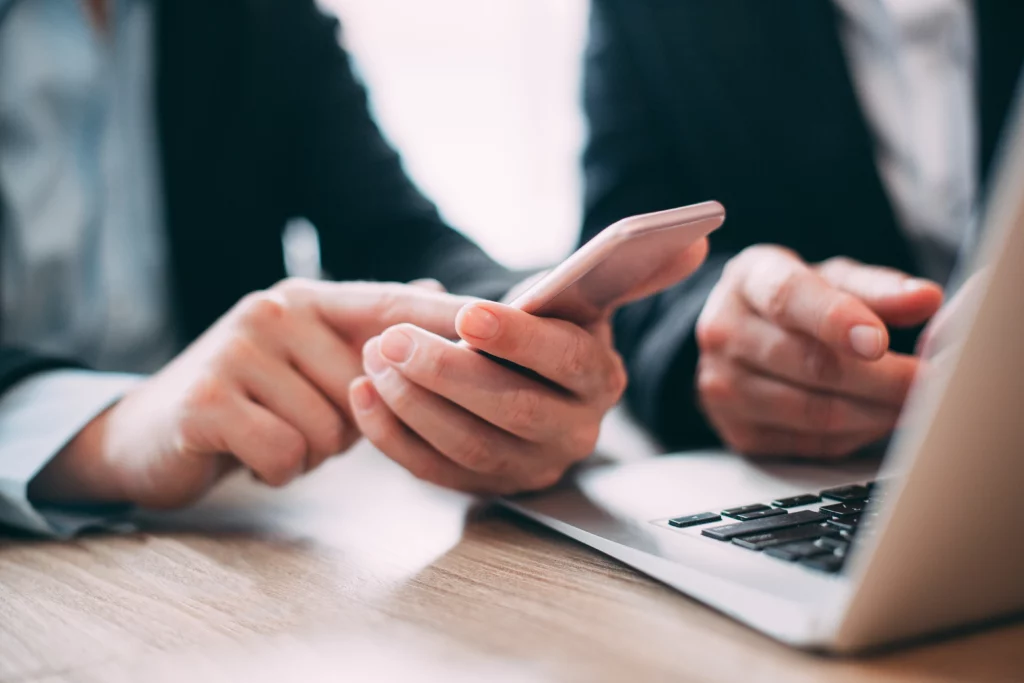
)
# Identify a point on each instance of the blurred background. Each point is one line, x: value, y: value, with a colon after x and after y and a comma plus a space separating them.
x: 482, y: 99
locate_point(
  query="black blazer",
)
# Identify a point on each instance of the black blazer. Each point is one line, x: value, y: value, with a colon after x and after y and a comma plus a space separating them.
x: 261, y: 121
x: 751, y: 103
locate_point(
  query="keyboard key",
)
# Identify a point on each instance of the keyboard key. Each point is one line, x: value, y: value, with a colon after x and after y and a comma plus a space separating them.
x: 807, y: 532
x: 844, y: 523
x: 829, y: 564
x: 846, y: 493
x: 833, y: 545
x: 796, y: 501
x: 731, y: 531
x: 760, y: 514
x: 745, y: 510
x: 843, y: 509
x: 791, y: 552
x: 694, y: 520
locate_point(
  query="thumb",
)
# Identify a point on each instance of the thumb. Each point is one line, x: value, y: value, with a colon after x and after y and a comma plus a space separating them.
x: 671, y: 272
x: 897, y: 298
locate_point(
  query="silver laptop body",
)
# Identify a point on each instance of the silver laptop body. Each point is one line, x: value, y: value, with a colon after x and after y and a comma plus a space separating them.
x: 946, y: 548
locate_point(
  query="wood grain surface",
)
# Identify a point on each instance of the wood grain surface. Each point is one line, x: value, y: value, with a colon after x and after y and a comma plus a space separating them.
x: 361, y: 573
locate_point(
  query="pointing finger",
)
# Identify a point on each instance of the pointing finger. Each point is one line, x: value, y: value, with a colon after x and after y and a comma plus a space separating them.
x: 898, y: 298
x: 784, y: 290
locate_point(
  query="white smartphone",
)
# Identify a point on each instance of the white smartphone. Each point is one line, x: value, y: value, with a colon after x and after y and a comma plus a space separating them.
x: 619, y: 260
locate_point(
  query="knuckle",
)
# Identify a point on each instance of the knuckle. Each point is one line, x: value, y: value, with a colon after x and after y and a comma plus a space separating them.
x: 437, y: 363
x: 475, y: 454
x: 336, y: 436
x: 289, y: 458
x: 712, y: 332
x: 833, y: 313
x: 388, y: 306
x: 582, y: 440
x: 190, y: 433
x: 780, y: 295
x: 820, y: 411
x: 715, y: 386
x: 618, y: 378
x: 572, y: 364
x: 241, y: 351
x: 205, y: 395
x: 263, y: 309
x: 401, y: 397
x: 523, y: 410
x: 820, y: 365
x: 743, y: 259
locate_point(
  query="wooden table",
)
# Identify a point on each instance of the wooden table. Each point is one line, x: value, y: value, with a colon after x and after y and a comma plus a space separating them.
x: 361, y: 573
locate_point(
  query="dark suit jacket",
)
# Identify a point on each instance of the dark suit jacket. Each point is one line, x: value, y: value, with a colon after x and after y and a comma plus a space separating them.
x: 751, y: 103
x: 261, y: 121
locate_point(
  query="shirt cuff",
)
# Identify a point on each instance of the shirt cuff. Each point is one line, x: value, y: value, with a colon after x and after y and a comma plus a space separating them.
x: 38, y: 417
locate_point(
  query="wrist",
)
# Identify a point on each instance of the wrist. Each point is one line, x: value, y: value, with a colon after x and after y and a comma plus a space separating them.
x: 80, y: 472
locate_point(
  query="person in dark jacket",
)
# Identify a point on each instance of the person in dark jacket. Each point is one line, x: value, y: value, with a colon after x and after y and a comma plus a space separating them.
x: 151, y: 152
x: 851, y: 143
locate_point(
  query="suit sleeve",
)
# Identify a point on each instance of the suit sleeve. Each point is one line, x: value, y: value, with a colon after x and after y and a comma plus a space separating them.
x: 373, y: 223
x: 630, y: 168
x: 44, y: 403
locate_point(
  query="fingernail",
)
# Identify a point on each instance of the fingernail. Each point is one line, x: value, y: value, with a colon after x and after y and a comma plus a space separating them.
x: 363, y: 396
x: 478, y: 322
x: 372, y: 360
x: 397, y: 346
x: 867, y: 341
x: 915, y: 285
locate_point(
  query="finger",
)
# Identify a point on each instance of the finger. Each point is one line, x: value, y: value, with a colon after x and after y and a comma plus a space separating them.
x: 273, y: 449
x: 798, y: 359
x: 387, y: 433
x: 288, y: 395
x: 430, y: 284
x: 765, y: 441
x: 498, y: 395
x: 326, y: 360
x: 360, y: 310
x: 898, y: 298
x: 784, y: 290
x: 561, y: 352
x: 756, y: 399
x: 461, y: 437
x: 672, y: 272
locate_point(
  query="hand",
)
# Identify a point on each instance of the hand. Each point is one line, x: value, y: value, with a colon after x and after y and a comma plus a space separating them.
x: 267, y: 388
x: 455, y: 417
x: 794, y: 359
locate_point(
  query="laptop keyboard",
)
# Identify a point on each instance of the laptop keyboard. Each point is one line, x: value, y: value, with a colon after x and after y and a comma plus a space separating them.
x: 817, y: 537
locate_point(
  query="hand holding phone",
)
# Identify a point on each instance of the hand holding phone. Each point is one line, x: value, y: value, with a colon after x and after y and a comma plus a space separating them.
x: 455, y: 418
x: 633, y: 258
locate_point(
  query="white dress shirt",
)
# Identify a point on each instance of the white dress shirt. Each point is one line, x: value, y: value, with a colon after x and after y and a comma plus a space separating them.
x: 84, y: 260
x: 913, y: 64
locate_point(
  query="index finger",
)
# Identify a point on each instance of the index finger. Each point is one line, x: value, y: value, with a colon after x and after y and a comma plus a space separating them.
x: 558, y: 351
x: 784, y: 290
x: 676, y: 269
x: 360, y: 310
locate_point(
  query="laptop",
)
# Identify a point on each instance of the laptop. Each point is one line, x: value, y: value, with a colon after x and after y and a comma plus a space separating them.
x: 867, y: 553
